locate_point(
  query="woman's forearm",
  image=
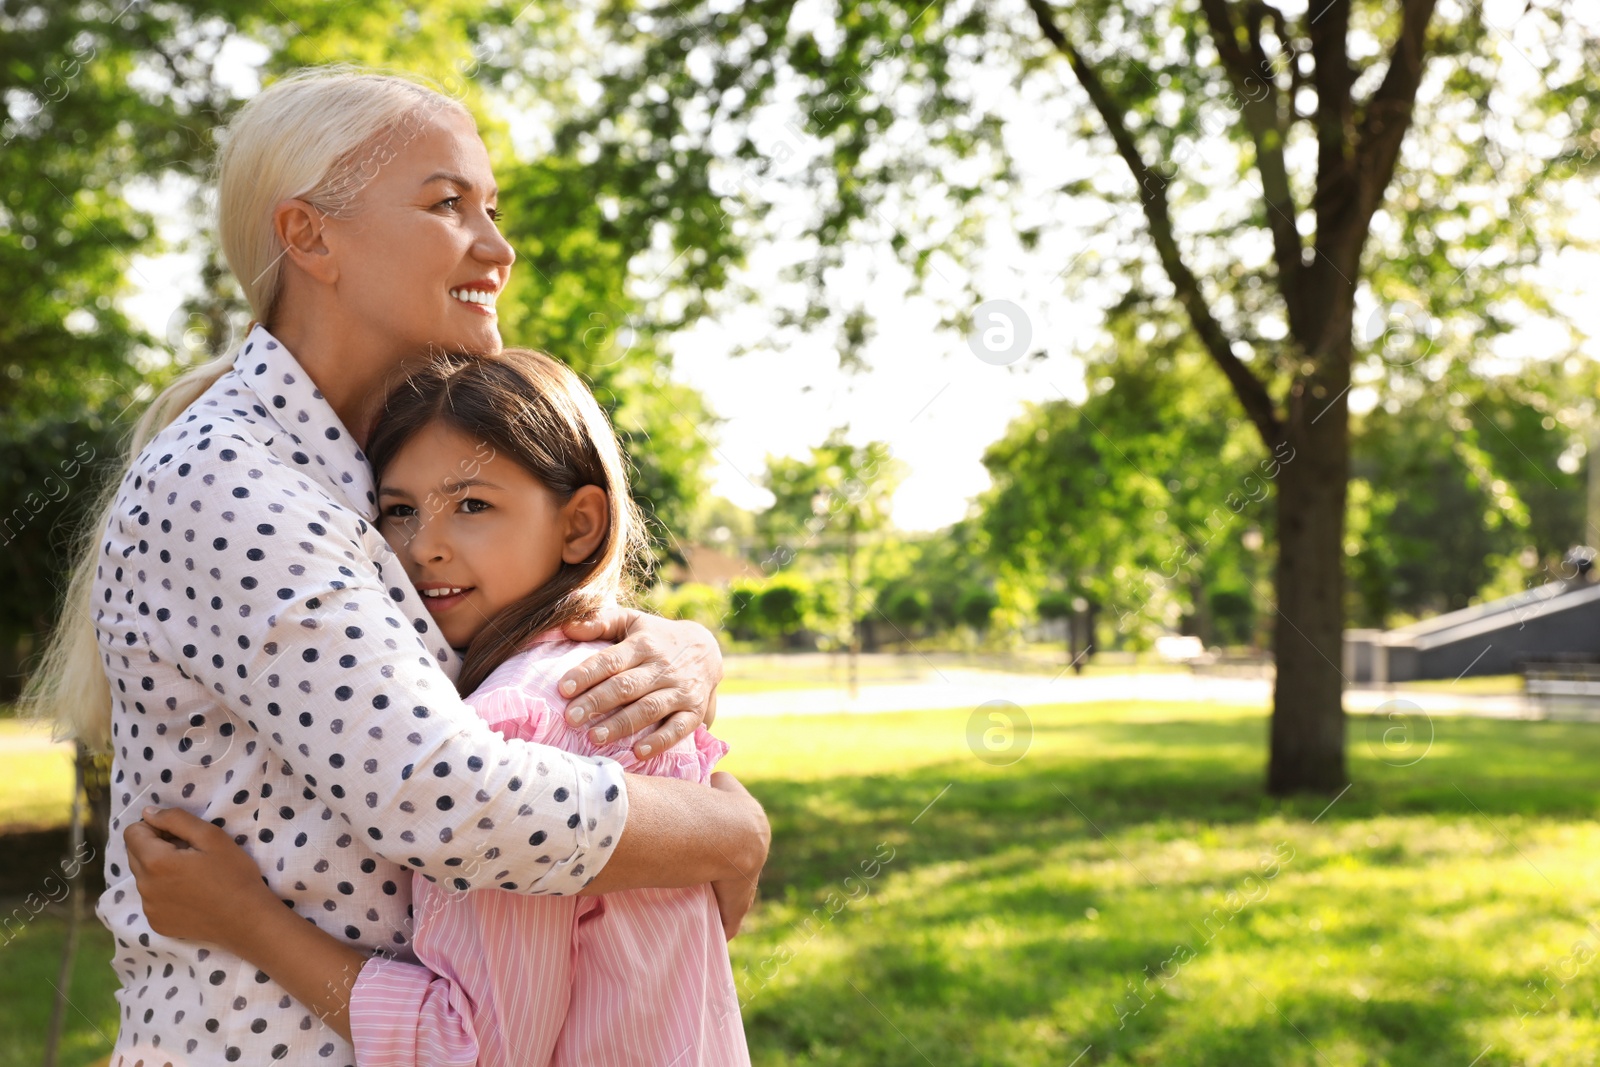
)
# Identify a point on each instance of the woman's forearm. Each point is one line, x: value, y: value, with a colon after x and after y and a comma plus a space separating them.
x: 681, y: 834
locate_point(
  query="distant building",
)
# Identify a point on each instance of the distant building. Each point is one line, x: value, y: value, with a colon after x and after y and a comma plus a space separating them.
x: 1555, y: 622
x: 708, y: 566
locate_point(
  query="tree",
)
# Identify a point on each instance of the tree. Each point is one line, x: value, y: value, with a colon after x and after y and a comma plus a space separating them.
x: 832, y: 500
x: 1138, y: 500
x: 1286, y: 174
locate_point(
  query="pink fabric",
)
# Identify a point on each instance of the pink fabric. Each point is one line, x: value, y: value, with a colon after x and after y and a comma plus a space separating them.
x: 632, y: 978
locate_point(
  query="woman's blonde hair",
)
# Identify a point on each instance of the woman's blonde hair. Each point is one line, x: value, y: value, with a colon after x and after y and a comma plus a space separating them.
x: 317, y: 135
x: 537, y: 413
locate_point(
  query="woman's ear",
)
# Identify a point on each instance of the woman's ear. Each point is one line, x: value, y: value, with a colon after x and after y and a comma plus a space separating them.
x: 584, y: 520
x: 299, y: 226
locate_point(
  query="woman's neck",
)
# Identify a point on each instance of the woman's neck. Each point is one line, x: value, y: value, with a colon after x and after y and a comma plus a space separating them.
x: 351, y: 375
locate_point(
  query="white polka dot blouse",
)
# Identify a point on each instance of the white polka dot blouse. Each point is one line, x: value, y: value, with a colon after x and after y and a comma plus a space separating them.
x: 272, y: 670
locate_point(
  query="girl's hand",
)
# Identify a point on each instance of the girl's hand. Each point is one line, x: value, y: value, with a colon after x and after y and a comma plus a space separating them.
x: 194, y: 881
x: 661, y: 673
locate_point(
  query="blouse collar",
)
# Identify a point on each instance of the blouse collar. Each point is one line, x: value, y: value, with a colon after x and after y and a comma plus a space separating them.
x: 324, y: 449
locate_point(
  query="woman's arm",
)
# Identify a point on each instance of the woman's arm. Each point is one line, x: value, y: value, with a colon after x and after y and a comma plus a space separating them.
x: 679, y: 834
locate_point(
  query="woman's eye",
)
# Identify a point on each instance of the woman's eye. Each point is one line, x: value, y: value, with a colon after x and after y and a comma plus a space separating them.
x: 472, y: 505
x: 495, y: 215
x: 449, y: 203
x: 399, y: 511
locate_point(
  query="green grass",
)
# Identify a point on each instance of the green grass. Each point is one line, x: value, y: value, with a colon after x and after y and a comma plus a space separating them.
x: 35, y: 783
x: 1024, y: 906
x: 1029, y: 903
x: 1483, y: 685
x: 29, y: 966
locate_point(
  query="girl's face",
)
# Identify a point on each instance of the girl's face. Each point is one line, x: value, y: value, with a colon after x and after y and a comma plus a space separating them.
x: 420, y: 259
x: 475, y: 531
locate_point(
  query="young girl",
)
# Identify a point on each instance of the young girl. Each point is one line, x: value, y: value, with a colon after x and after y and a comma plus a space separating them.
x: 503, y: 492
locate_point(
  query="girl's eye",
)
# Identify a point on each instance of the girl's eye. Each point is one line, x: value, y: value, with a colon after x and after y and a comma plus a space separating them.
x: 399, y: 511
x: 472, y: 505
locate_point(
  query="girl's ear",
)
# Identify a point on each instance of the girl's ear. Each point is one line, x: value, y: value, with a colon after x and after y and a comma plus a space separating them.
x: 584, y: 520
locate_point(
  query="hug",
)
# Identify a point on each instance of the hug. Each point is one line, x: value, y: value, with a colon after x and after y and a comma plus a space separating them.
x: 347, y: 624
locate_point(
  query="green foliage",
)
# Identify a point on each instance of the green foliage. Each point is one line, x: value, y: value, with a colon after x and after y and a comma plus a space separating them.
x: 1139, y: 498
x: 977, y: 606
x: 781, y: 607
x: 695, y: 601
x: 907, y: 608
x: 1458, y: 479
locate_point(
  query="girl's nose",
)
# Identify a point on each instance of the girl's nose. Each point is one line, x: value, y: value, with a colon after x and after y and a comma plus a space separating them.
x: 427, y: 547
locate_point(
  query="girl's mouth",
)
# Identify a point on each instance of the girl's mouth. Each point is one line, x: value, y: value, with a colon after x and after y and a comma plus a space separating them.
x: 442, y: 598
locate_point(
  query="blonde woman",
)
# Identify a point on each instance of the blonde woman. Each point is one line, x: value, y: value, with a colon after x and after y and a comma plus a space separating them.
x: 271, y: 668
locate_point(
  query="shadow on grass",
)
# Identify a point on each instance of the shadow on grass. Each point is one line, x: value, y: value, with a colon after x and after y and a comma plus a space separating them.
x: 1022, y: 926
x: 1200, y: 773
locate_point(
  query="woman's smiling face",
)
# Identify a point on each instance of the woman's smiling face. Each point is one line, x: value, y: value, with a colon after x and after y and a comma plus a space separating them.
x: 420, y: 257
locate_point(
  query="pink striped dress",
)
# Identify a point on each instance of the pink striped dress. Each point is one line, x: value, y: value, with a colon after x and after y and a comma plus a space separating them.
x: 625, y: 980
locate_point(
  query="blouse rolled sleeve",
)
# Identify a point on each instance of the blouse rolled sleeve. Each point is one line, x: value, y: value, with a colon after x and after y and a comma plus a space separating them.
x: 277, y: 602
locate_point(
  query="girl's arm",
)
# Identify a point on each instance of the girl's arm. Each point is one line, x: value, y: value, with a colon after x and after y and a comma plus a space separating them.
x: 195, y: 883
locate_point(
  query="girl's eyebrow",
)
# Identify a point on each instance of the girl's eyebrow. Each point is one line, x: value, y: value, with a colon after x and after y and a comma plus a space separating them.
x: 453, y: 487
x: 390, y: 490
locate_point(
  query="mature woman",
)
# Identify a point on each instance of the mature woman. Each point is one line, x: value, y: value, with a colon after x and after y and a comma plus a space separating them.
x: 271, y: 668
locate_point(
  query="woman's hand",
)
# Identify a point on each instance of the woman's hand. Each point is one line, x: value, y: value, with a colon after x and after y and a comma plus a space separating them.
x: 661, y: 673
x: 737, y: 895
x: 194, y: 881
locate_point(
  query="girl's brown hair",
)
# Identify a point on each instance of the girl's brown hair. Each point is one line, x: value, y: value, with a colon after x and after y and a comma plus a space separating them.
x: 537, y: 413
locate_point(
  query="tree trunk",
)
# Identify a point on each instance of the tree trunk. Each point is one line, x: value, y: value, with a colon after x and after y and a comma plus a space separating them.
x: 1307, y: 742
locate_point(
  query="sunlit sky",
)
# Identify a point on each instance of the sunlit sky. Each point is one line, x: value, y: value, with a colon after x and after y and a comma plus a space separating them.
x: 924, y: 391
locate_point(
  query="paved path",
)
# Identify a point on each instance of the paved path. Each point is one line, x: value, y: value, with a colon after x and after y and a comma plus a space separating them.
x: 965, y: 688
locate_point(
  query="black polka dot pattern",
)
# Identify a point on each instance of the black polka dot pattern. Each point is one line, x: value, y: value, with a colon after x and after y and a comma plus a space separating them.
x: 273, y: 671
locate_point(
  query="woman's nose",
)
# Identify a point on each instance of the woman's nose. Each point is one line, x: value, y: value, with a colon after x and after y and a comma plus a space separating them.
x: 493, y: 248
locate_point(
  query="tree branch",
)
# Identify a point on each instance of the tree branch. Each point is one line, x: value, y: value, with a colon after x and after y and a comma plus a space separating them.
x: 1251, y: 391
x: 1255, y: 82
x: 1388, y: 112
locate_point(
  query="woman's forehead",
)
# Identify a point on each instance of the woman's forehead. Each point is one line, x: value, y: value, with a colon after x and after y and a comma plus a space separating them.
x: 443, y: 147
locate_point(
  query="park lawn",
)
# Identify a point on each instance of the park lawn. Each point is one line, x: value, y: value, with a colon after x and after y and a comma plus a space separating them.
x: 1027, y: 914
x: 1483, y: 685
x: 35, y: 783
x: 1125, y: 894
